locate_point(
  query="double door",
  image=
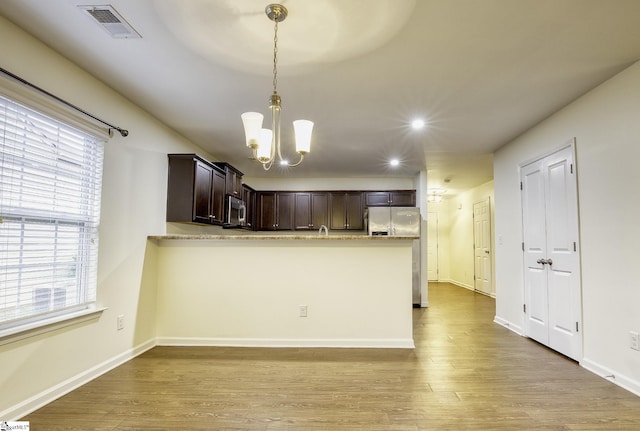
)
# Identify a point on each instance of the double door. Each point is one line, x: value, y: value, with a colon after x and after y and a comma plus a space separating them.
x: 275, y: 210
x: 346, y: 211
x: 311, y: 210
x: 551, y: 253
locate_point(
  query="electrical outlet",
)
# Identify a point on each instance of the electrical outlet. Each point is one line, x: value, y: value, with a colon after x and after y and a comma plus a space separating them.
x: 120, y: 322
x: 302, y: 310
x: 634, y: 340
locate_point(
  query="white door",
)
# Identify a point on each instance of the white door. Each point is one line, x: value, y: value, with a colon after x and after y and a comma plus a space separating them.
x: 482, y: 246
x: 551, y: 258
x: 432, y: 246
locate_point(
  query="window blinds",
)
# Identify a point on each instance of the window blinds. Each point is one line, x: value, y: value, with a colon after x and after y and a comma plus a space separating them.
x: 50, y: 183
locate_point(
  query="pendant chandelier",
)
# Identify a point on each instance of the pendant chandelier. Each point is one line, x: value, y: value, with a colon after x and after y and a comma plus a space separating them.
x: 265, y: 143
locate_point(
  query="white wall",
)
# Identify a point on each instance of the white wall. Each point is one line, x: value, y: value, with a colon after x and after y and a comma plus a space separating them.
x: 606, y: 125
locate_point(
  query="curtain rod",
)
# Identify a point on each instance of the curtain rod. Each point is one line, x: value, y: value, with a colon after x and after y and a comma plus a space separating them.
x: 123, y: 132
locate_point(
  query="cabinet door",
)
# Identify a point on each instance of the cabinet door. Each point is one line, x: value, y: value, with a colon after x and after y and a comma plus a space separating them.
x: 319, y: 210
x: 202, y: 192
x: 338, y: 211
x: 266, y: 211
x: 402, y: 198
x: 354, y: 211
x: 248, y: 196
x: 284, y: 210
x: 233, y: 182
x: 398, y: 198
x: 217, y: 198
x: 238, y: 185
x: 377, y: 199
x: 302, y: 211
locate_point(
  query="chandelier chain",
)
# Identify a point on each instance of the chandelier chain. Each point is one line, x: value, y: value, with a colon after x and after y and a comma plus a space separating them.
x: 275, y: 59
x: 265, y: 143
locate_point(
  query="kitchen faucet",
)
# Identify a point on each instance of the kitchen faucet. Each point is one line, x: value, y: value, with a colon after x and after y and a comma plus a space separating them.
x: 326, y: 230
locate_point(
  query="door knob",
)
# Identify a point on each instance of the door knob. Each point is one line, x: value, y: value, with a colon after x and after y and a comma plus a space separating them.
x: 486, y: 251
x: 541, y: 261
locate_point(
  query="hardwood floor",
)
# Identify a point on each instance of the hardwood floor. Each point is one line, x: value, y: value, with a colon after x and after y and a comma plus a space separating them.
x: 466, y: 373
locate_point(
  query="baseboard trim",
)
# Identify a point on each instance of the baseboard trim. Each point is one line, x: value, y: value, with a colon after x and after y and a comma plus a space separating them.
x: 510, y: 326
x: 53, y: 393
x: 457, y: 283
x: 285, y: 342
x: 624, y: 382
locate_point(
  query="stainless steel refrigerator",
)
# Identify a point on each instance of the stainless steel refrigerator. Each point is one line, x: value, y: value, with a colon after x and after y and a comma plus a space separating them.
x: 399, y: 221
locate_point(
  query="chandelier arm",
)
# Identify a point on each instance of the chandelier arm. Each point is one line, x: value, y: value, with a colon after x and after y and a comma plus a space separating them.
x: 296, y: 164
x: 276, y: 13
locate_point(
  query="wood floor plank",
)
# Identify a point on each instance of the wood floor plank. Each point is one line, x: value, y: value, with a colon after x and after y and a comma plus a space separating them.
x: 466, y: 373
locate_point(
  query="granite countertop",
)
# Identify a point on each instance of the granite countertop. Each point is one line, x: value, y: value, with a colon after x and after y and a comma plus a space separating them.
x: 315, y: 237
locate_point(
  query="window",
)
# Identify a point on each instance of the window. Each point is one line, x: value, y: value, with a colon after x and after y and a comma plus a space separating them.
x: 50, y: 182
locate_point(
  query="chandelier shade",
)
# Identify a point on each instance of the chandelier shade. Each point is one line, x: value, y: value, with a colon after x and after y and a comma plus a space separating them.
x: 252, y: 122
x: 265, y: 143
x: 263, y: 152
x: 302, y: 130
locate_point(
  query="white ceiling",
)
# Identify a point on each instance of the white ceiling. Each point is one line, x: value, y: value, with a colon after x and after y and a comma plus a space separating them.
x: 480, y: 72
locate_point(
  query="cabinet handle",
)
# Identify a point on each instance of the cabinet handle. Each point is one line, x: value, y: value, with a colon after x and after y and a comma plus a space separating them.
x: 212, y: 216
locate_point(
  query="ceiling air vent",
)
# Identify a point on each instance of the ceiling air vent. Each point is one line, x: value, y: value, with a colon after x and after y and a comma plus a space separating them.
x: 111, y: 21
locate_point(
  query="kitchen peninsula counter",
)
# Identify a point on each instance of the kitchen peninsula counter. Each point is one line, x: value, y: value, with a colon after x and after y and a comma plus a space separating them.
x: 270, y: 290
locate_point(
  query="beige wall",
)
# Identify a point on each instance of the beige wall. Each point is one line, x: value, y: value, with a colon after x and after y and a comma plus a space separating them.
x: 305, y: 184
x: 455, y: 234
x: 133, y: 200
x: 605, y: 125
x: 38, y: 369
x: 247, y: 293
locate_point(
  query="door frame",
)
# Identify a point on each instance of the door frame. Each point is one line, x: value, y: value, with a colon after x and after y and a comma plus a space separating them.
x: 571, y: 143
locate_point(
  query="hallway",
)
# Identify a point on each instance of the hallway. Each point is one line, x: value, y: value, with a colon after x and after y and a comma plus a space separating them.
x: 466, y: 373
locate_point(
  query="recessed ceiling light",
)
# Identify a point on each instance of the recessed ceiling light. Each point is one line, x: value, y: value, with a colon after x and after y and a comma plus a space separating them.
x: 394, y: 162
x: 417, y: 124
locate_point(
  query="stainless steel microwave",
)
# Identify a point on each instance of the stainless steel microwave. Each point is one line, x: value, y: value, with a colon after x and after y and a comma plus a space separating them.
x: 236, y: 215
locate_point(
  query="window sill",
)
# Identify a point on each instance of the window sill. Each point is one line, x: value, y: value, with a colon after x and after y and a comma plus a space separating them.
x: 33, y: 329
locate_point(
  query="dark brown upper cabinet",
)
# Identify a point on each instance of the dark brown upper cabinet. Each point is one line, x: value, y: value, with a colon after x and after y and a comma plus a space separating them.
x: 395, y: 198
x: 346, y: 211
x: 195, y: 190
x: 233, y: 179
x: 275, y: 210
x: 311, y: 210
x: 249, y: 199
